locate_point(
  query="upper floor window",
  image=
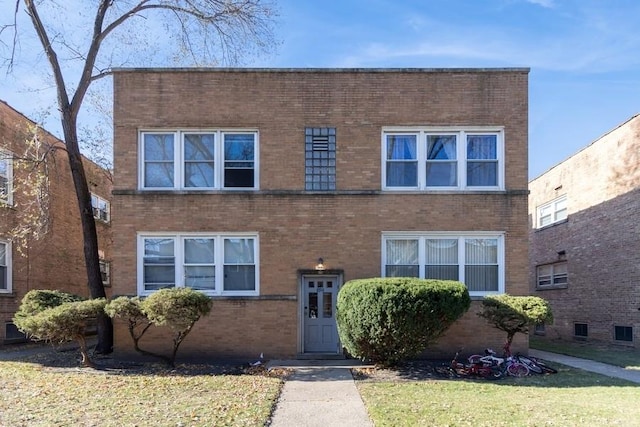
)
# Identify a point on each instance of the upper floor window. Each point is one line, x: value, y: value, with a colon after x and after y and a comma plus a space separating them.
x: 443, y: 159
x: 476, y: 259
x: 215, y: 264
x: 5, y: 266
x: 6, y: 177
x: 100, y: 208
x: 552, y: 212
x: 105, y: 272
x: 199, y: 160
x: 552, y: 275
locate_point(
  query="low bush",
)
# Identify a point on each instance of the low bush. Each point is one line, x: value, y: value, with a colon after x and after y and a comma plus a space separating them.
x: 388, y: 320
x: 177, y: 308
x: 58, y: 317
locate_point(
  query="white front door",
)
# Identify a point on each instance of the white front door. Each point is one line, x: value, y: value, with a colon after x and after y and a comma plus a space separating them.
x: 319, y: 314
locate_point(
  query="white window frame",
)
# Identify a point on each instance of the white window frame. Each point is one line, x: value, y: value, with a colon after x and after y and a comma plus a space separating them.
x: 557, y: 212
x: 7, y: 157
x: 553, y: 275
x: 461, y: 236
x: 8, y: 265
x: 461, y: 134
x: 103, y: 215
x: 178, y: 242
x: 179, y: 161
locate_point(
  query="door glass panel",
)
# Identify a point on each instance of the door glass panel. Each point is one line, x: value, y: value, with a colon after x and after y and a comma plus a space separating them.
x: 329, y: 284
x: 312, y: 285
x: 313, y: 305
x: 327, y: 305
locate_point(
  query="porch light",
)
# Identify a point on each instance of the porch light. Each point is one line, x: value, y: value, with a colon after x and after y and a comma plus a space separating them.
x: 320, y: 265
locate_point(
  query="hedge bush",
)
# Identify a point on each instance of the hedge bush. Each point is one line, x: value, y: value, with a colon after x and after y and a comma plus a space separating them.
x: 388, y: 320
x: 58, y: 317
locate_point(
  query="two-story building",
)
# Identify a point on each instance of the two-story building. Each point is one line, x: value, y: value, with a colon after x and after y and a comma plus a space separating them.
x: 585, y: 240
x: 267, y: 189
x: 56, y: 259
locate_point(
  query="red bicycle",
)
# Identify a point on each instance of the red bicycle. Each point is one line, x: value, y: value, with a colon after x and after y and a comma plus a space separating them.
x: 479, y: 370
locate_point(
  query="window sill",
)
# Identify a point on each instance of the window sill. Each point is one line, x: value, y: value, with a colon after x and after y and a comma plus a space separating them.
x: 551, y: 287
x: 7, y: 294
x: 552, y: 224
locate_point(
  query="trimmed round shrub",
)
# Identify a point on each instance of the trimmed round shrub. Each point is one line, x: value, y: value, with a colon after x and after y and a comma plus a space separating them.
x: 38, y: 300
x: 388, y: 320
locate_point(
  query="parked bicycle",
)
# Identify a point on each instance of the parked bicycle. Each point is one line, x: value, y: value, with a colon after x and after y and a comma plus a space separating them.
x: 457, y: 368
x: 509, y: 365
x: 534, y: 364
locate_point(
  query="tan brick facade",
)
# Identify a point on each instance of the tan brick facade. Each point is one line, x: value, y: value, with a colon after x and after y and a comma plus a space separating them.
x: 56, y: 261
x: 296, y: 227
x: 598, y: 240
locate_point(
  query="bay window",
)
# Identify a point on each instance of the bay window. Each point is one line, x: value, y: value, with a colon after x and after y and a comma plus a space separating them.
x: 476, y: 259
x: 216, y: 264
x: 443, y: 159
x: 198, y: 160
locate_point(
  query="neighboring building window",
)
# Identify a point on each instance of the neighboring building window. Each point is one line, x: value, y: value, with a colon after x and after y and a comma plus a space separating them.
x: 552, y: 275
x: 623, y: 333
x: 212, y: 263
x: 100, y: 208
x: 208, y: 160
x: 320, y: 159
x: 442, y: 159
x: 581, y: 330
x: 539, y: 329
x: 6, y: 177
x: 552, y: 212
x: 105, y: 272
x: 475, y: 259
x: 5, y: 267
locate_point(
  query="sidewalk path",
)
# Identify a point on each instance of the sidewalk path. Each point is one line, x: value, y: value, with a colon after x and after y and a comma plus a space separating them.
x: 319, y: 393
x: 589, y: 365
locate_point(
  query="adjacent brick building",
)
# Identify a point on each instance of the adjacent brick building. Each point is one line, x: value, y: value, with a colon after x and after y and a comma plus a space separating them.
x: 269, y: 188
x: 56, y: 261
x: 585, y: 247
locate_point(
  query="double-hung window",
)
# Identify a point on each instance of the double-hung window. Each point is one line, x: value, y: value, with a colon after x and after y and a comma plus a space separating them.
x: 5, y: 267
x: 6, y: 177
x: 442, y: 159
x: 552, y: 275
x: 198, y: 160
x: 552, y: 212
x: 100, y: 208
x: 476, y: 259
x: 216, y: 264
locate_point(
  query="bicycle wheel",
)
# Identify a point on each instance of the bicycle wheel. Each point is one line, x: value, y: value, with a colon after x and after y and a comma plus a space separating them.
x: 475, y: 359
x: 531, y: 364
x: 517, y: 369
x: 496, y: 373
x: 445, y: 371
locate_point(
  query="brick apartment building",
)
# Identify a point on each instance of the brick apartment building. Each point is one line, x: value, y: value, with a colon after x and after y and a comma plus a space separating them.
x: 585, y: 246
x: 269, y: 188
x: 56, y: 261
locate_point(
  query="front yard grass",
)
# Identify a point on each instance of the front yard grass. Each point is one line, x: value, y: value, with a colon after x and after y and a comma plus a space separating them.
x: 32, y: 394
x: 570, y: 398
x: 624, y: 357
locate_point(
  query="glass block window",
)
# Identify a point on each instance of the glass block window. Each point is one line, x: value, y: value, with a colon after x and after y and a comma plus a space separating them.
x: 320, y: 159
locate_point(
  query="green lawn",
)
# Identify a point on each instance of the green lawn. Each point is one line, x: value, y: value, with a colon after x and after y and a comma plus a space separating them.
x: 614, y: 355
x: 35, y: 395
x: 570, y: 398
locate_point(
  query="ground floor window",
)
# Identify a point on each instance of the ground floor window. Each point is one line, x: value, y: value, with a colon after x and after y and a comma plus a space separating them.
x: 5, y: 266
x: 581, y: 330
x: 476, y: 259
x: 623, y: 333
x: 212, y: 263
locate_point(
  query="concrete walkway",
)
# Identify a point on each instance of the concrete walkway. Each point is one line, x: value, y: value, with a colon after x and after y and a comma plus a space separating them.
x: 319, y: 393
x: 589, y: 365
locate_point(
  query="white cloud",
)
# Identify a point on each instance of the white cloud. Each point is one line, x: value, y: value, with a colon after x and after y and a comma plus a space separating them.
x: 544, y: 3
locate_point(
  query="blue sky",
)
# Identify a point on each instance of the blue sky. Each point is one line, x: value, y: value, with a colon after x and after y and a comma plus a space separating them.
x: 584, y: 55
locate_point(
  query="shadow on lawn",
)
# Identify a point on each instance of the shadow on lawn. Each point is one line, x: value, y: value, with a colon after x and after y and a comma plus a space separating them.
x: 426, y: 370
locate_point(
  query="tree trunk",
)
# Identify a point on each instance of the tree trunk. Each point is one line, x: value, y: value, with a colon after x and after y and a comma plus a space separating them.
x: 89, y: 234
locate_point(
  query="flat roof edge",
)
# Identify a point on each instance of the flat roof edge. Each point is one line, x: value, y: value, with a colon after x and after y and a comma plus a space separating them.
x: 317, y: 70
